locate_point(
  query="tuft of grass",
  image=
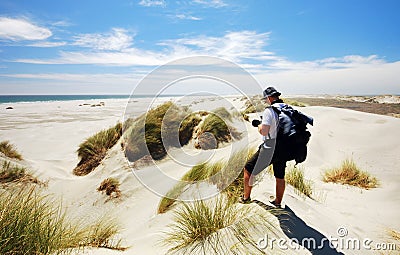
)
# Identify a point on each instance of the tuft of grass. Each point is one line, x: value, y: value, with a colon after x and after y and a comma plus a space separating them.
x: 94, y: 149
x: 218, y: 173
x: 154, y: 132
x: 216, y: 226
x: 187, y: 127
x: 9, y: 150
x: 295, y: 177
x: 349, y: 173
x: 214, y: 130
x: 14, y: 173
x: 30, y: 223
x: 110, y: 186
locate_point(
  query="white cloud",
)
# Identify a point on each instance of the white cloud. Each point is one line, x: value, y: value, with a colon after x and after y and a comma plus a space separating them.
x: 150, y: 3
x: 21, y: 29
x: 353, y: 74
x: 46, y: 44
x: 186, y: 16
x: 61, y: 23
x: 235, y: 46
x: 117, y: 40
x: 363, y: 79
x: 211, y: 3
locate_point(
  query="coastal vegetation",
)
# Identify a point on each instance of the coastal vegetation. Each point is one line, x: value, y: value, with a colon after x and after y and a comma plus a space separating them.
x: 92, y: 151
x: 32, y: 223
x: 10, y: 172
x: 295, y: 177
x: 349, y: 173
x: 217, y: 226
x: 111, y: 187
x: 9, y: 150
x: 227, y: 176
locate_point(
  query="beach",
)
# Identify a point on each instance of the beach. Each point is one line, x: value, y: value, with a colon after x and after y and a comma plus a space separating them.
x: 48, y: 134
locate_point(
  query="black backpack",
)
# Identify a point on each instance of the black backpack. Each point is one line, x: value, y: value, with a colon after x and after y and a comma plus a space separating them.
x: 293, y: 136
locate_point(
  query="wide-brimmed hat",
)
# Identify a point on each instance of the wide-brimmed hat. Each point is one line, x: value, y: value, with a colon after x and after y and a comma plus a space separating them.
x: 270, y: 92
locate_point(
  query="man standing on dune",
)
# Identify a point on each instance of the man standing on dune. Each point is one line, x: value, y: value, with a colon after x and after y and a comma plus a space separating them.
x: 268, y: 152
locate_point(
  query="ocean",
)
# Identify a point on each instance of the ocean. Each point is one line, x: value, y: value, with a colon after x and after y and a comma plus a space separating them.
x: 44, y: 98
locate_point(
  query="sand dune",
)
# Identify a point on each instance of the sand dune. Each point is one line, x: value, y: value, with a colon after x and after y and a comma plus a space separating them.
x: 48, y: 134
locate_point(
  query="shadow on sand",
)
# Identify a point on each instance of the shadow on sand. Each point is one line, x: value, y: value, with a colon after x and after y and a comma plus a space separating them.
x: 296, y: 229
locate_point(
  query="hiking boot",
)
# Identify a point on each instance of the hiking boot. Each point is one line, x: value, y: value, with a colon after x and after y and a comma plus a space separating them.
x: 244, y: 201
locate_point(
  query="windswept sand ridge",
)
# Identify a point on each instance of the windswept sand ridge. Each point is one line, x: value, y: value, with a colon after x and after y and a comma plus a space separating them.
x: 372, y: 140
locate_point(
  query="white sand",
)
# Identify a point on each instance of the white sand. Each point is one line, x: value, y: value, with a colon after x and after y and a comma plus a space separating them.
x: 48, y: 133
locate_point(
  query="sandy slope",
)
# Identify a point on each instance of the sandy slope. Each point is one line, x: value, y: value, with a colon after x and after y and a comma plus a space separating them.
x: 47, y: 134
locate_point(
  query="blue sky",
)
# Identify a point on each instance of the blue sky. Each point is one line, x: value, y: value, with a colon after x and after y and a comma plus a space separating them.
x: 107, y: 47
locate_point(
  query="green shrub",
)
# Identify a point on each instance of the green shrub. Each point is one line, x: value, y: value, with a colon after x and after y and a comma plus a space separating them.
x: 31, y: 223
x: 94, y: 149
x: 9, y: 150
x: 349, y: 173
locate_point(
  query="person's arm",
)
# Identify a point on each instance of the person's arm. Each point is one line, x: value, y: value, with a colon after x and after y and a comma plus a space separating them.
x: 265, y: 125
x: 263, y: 129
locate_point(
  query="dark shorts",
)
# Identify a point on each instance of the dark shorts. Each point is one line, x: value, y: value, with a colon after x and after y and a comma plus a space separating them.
x: 263, y: 158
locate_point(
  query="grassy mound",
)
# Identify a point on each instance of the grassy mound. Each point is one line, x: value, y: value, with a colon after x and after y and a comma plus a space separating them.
x: 164, y: 126
x: 94, y: 149
x: 209, y: 172
x: 215, y: 130
x: 349, y: 173
x: 111, y: 187
x: 9, y: 150
x: 217, y: 227
x: 30, y: 223
x: 295, y: 177
x: 14, y: 173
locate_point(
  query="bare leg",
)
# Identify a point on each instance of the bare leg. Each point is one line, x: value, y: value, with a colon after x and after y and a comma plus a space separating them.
x: 247, y: 187
x: 280, y: 189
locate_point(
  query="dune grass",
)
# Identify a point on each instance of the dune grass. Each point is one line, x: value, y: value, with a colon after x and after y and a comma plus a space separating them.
x: 215, y: 130
x: 295, y: 177
x: 111, y: 187
x: 349, y: 173
x: 222, y: 174
x: 31, y: 223
x: 92, y: 151
x: 12, y: 173
x: 216, y: 226
x: 9, y: 150
x: 160, y: 128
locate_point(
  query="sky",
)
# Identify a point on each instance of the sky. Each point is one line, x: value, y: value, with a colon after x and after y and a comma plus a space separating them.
x: 109, y: 47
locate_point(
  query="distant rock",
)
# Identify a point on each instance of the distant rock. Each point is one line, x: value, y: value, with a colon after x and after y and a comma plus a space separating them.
x: 9, y: 108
